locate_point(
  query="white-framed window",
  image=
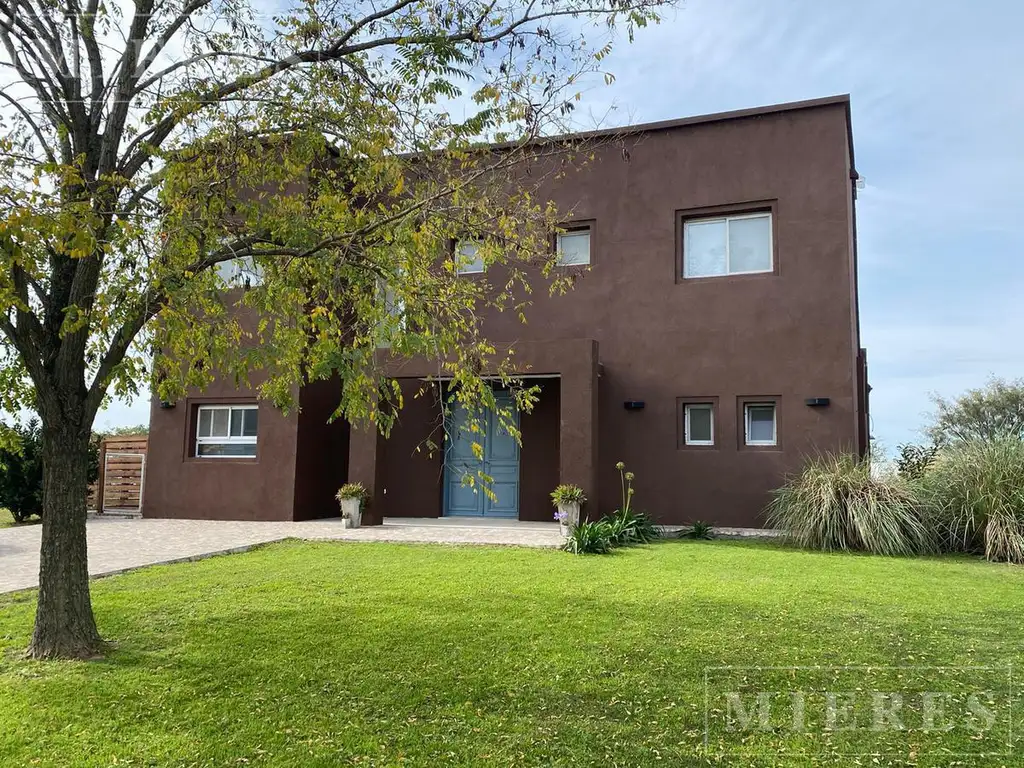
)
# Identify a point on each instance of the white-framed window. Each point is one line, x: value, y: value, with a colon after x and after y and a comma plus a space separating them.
x: 227, y: 431
x: 240, y: 272
x: 574, y: 247
x: 699, y: 424
x: 728, y: 245
x: 760, y: 424
x: 468, y: 260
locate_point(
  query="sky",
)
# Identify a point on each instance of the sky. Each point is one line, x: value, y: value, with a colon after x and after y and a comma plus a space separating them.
x: 937, y: 92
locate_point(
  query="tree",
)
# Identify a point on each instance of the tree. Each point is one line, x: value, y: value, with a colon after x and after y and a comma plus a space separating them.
x: 21, y: 471
x: 991, y: 412
x: 154, y: 156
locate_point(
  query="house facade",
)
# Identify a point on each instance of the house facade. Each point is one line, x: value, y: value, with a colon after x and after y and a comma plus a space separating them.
x: 711, y: 343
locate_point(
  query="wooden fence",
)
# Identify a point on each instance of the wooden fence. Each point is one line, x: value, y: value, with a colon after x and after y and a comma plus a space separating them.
x: 122, y: 474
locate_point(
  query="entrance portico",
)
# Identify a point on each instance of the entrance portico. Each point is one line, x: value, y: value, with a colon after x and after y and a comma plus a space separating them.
x: 404, y: 479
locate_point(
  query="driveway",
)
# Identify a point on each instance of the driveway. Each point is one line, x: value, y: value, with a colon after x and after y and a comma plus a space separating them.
x: 119, y: 544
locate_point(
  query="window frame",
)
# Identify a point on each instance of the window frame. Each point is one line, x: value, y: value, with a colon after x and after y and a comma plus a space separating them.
x: 228, y: 439
x: 576, y: 230
x: 751, y: 208
x: 687, y: 407
x: 747, y: 405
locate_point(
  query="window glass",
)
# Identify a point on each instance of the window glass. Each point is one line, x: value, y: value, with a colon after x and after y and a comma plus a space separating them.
x: 699, y: 428
x: 574, y: 248
x: 226, y: 449
x: 750, y: 245
x: 468, y: 258
x: 220, y: 422
x: 704, y: 249
x: 761, y: 424
x: 251, y: 423
x: 236, y: 422
x: 731, y: 245
x: 205, y: 420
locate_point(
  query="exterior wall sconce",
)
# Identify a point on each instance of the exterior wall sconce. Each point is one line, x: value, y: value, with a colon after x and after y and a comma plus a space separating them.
x: 634, y: 405
x: 167, y: 404
x: 817, y: 402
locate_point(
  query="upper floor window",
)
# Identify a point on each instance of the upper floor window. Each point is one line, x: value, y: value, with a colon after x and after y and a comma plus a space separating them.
x: 227, y: 431
x: 468, y: 260
x: 243, y: 271
x: 727, y: 245
x: 574, y: 247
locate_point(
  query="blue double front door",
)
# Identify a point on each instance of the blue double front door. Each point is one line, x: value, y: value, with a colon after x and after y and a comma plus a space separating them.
x: 500, y: 462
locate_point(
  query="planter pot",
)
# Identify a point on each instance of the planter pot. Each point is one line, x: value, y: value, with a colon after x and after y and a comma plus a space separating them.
x: 571, y: 513
x: 351, y: 512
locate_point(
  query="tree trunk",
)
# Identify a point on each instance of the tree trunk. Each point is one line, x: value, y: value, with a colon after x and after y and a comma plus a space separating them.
x: 65, y: 627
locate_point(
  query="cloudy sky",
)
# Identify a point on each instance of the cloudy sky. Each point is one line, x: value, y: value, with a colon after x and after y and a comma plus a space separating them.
x: 938, y: 109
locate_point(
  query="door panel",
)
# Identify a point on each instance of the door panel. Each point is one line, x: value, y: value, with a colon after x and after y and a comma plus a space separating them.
x: 500, y: 462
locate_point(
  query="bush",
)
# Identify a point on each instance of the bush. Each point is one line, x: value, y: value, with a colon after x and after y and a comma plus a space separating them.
x: 975, y: 498
x: 914, y: 460
x: 21, y: 472
x: 698, y: 530
x: 836, y: 504
x: 589, y: 538
x: 628, y: 527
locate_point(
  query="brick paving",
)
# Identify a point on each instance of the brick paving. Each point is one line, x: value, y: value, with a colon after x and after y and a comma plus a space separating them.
x: 118, y: 544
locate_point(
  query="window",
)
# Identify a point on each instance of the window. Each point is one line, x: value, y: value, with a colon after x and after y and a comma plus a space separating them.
x: 574, y: 247
x: 468, y: 260
x: 759, y: 420
x: 728, y: 245
x: 699, y: 424
x: 240, y: 272
x: 227, y: 431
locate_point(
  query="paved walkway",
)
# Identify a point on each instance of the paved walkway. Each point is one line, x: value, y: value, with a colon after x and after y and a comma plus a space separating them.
x: 117, y: 544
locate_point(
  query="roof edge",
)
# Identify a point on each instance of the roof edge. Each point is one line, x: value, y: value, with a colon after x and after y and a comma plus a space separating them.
x: 681, y: 122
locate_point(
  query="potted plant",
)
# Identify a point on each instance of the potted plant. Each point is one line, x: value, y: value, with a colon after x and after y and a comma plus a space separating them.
x: 568, y: 499
x: 352, y: 497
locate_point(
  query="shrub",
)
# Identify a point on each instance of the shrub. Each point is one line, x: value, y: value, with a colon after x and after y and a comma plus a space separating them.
x: 914, y: 460
x: 698, y: 530
x: 21, y: 472
x: 589, y: 538
x: 568, y: 494
x: 975, y: 497
x: 836, y: 504
x: 628, y: 527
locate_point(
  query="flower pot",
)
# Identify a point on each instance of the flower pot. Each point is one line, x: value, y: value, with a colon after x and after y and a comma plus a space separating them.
x: 568, y: 517
x: 351, y: 513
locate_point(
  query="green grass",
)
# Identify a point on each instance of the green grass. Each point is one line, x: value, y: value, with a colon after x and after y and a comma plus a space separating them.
x: 378, y: 654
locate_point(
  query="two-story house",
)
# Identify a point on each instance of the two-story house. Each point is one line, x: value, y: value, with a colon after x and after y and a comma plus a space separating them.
x: 712, y: 345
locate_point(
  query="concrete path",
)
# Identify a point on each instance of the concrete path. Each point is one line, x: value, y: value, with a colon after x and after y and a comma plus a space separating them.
x: 117, y: 544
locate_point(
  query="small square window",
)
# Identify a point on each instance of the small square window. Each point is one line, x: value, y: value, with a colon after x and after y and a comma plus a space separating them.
x: 699, y: 426
x: 727, y: 245
x: 760, y: 424
x: 468, y: 260
x: 574, y: 247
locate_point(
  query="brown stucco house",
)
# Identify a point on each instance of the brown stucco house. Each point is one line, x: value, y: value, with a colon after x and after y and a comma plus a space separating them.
x: 712, y: 346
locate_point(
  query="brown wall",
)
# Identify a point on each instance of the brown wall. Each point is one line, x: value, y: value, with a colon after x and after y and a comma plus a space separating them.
x: 182, y: 486
x: 790, y: 334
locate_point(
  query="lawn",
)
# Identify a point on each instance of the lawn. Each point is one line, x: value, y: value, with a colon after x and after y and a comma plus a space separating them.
x: 378, y: 655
